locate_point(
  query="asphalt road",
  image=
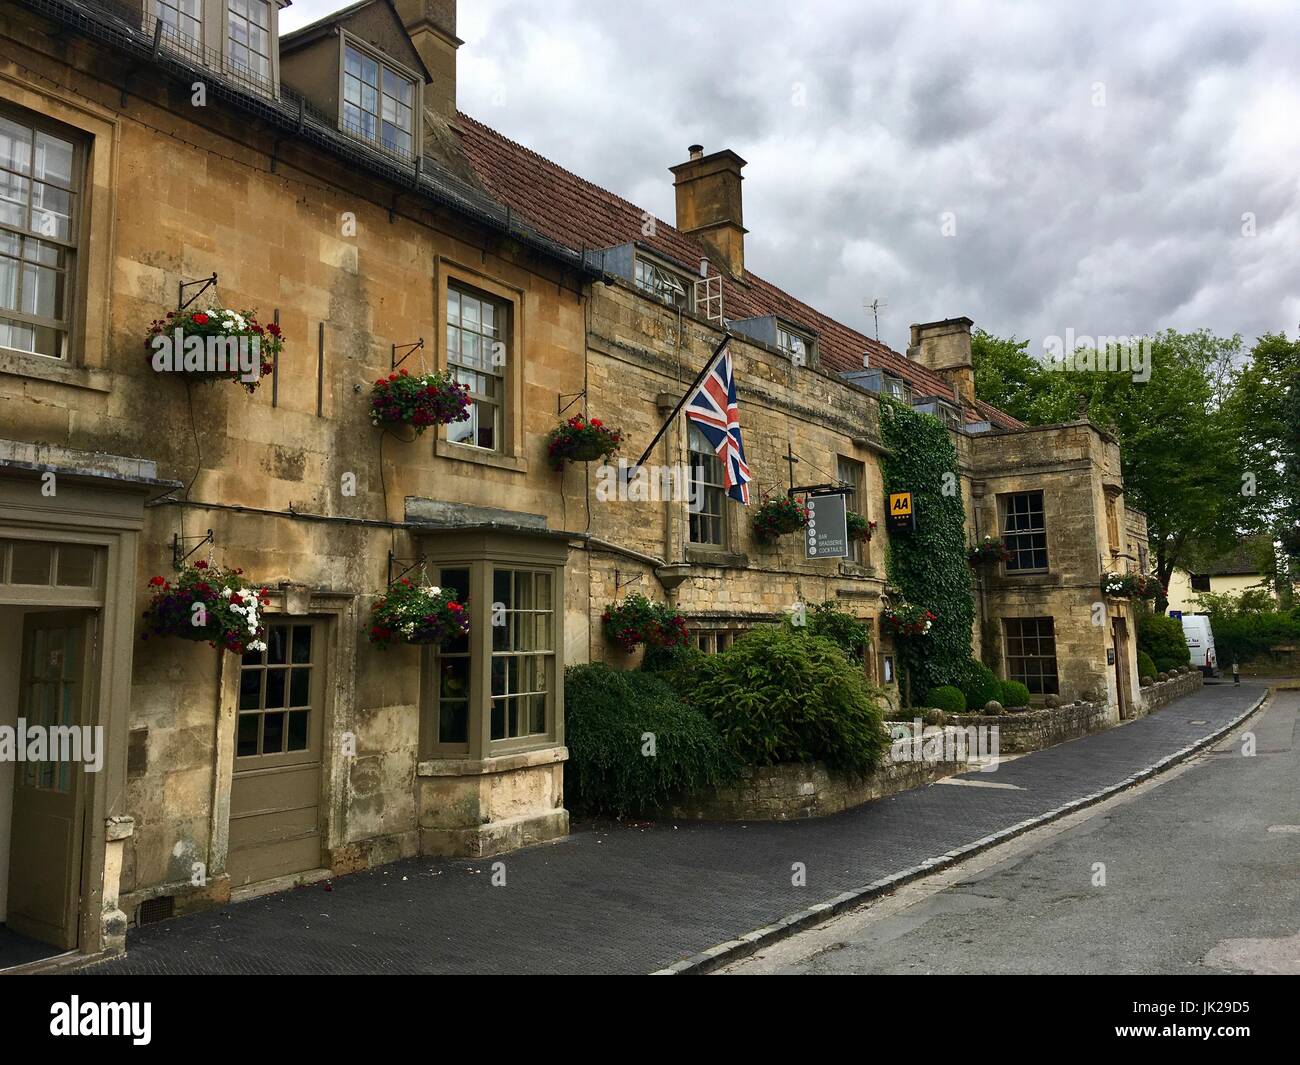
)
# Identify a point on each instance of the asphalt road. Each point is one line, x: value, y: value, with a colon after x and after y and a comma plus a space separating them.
x: 1201, y: 874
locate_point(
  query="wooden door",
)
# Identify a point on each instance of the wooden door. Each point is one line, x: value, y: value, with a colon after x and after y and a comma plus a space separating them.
x: 275, y: 792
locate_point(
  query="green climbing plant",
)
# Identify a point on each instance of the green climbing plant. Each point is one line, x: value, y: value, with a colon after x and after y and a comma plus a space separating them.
x: 929, y: 565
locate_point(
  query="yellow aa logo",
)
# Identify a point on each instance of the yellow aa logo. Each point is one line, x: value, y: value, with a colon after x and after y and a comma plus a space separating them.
x: 900, y: 504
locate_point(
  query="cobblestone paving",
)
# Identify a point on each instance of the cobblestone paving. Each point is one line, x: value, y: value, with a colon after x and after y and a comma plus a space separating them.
x: 634, y: 899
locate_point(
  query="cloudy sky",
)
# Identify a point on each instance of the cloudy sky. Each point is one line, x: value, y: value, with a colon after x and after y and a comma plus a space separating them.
x: 1107, y: 167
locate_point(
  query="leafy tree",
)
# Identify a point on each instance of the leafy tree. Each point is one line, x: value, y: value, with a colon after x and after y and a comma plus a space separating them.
x: 1265, y: 408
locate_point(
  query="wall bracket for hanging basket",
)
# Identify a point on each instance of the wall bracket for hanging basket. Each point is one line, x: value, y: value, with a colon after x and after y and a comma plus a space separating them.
x: 410, y: 349
x: 178, y: 560
x: 414, y: 562
x: 182, y: 302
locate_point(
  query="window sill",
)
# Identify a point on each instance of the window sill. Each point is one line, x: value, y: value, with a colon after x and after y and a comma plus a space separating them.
x: 714, y: 556
x: 55, y: 371
x: 460, y: 452
x: 849, y: 568
x: 456, y: 766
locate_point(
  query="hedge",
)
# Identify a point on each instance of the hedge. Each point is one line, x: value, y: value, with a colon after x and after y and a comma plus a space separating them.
x: 608, y: 713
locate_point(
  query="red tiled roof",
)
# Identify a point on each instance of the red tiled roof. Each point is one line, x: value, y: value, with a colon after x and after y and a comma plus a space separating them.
x: 579, y: 214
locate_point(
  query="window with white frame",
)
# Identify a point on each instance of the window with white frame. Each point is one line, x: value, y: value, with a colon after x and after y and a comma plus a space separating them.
x: 40, y: 193
x: 476, y: 337
x: 249, y: 38
x: 795, y: 345
x: 708, y: 489
x: 662, y: 284
x: 378, y: 101
x: 182, y: 19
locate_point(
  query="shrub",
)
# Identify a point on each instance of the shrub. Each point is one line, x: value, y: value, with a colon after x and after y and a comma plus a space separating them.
x: 946, y: 698
x: 850, y: 634
x: 606, y: 713
x: 1146, y: 667
x: 777, y: 696
x: 979, y: 684
x: 1013, y: 694
x: 1161, y: 637
x: 678, y: 666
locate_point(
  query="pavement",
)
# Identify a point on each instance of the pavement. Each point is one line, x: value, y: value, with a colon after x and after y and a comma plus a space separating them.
x: 1201, y: 875
x: 638, y: 898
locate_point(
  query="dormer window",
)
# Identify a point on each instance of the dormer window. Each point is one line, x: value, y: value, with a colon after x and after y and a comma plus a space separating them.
x: 248, y: 31
x: 896, y: 387
x: 181, y: 18
x: 662, y: 284
x: 796, y: 345
x: 235, y: 37
x: 379, y: 101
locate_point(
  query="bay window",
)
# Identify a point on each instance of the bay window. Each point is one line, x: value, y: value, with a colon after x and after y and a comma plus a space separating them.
x: 499, y: 689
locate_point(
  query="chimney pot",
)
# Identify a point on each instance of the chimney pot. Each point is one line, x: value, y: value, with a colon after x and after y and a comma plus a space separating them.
x: 696, y: 151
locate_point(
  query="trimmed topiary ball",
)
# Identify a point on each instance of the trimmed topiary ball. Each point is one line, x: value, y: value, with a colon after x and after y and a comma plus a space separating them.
x: 1146, y: 681
x: 993, y: 707
x: 946, y: 698
x: 1014, y: 694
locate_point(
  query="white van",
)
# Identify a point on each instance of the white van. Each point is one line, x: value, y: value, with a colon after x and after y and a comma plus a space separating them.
x: 1200, y: 642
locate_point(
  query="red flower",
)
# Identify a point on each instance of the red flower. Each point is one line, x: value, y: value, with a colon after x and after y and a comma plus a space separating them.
x: 200, y: 319
x: 597, y: 422
x: 453, y: 605
x: 273, y: 329
x: 200, y: 565
x: 157, y: 582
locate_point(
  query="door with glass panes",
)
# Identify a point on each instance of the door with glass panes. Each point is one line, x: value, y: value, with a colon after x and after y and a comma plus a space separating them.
x: 275, y: 793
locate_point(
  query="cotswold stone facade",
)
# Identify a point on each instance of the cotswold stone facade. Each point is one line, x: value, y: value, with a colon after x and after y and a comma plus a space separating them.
x: 144, y: 163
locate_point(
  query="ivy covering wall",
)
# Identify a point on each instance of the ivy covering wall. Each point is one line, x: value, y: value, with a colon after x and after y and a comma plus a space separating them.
x: 929, y: 565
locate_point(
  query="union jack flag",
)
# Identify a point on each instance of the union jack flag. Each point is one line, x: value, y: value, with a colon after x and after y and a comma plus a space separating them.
x: 712, y: 406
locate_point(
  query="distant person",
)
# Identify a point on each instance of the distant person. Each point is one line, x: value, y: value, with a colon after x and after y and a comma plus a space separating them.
x: 1236, y: 672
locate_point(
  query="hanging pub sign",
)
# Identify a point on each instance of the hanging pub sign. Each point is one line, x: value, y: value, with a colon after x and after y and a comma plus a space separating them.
x: 826, y: 535
x: 900, y: 517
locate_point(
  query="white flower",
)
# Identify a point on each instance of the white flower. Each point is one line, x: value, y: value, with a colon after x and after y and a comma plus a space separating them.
x: 257, y: 645
x: 226, y: 593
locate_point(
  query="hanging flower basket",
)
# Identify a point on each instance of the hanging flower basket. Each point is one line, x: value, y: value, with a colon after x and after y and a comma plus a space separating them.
x: 1129, y: 586
x: 859, y: 527
x: 907, y: 620
x: 580, y: 440
x: 250, y: 358
x: 208, y: 603
x: 416, y: 613
x: 988, y: 552
x: 777, y: 517
x: 418, y: 400
x: 637, y: 620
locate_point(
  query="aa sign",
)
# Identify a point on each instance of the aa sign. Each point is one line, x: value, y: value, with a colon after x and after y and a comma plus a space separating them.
x: 899, y: 516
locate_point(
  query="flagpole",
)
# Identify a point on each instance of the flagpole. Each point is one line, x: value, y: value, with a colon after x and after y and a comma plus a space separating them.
x: 690, y: 389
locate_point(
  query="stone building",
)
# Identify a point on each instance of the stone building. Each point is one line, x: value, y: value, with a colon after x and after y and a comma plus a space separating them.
x: 155, y: 152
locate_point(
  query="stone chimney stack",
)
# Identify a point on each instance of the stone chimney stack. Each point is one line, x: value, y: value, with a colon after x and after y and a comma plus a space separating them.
x: 708, y: 203
x: 432, y: 26
x: 944, y: 347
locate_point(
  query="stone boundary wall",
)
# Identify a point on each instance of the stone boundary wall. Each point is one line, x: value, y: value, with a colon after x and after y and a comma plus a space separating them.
x: 1163, y: 692
x: 806, y: 789
x: 794, y: 791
